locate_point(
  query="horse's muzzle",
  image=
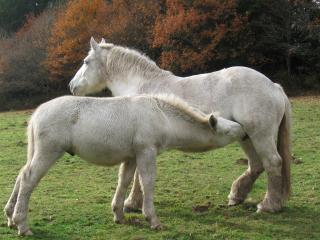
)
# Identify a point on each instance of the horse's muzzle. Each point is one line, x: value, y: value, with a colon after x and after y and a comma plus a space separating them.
x: 73, y: 88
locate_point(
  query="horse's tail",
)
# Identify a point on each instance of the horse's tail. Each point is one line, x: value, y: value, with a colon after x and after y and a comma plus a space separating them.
x: 30, y: 133
x: 284, y: 147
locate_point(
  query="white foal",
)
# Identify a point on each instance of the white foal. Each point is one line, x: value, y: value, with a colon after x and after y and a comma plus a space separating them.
x: 130, y: 131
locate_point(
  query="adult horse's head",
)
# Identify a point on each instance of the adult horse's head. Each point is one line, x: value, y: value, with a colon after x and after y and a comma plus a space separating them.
x: 91, y: 77
x: 122, y: 70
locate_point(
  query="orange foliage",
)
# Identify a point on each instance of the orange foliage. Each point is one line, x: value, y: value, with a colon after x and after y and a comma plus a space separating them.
x: 122, y: 22
x: 70, y: 36
x: 190, y: 31
x: 131, y: 22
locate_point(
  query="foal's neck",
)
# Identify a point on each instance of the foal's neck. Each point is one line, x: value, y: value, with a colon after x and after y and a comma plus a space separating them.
x: 189, y: 135
x: 190, y: 138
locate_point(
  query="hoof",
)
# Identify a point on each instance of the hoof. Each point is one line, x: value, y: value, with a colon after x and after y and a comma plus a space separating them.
x: 132, y: 210
x: 119, y: 220
x: 11, y: 223
x: 267, y: 209
x: 25, y: 233
x: 233, y: 202
x: 259, y: 210
x: 132, y: 206
x: 157, y: 227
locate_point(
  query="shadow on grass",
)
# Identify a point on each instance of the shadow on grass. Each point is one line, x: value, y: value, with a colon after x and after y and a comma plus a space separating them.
x: 43, y: 234
x: 39, y: 233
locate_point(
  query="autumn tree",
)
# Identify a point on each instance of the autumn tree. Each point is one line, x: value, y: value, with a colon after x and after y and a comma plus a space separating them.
x: 21, y: 56
x: 303, y: 42
x: 190, y: 33
x: 131, y: 23
x: 13, y: 13
x: 71, y: 32
x: 281, y: 38
x: 122, y: 22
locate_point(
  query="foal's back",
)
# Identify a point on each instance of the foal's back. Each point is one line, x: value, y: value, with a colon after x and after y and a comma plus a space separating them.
x: 104, y: 131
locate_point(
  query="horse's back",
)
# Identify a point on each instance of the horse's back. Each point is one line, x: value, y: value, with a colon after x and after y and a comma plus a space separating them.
x: 256, y: 102
x: 237, y: 93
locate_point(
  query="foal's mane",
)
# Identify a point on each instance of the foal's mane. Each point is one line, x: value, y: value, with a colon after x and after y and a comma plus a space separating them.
x: 121, y: 59
x: 177, y: 106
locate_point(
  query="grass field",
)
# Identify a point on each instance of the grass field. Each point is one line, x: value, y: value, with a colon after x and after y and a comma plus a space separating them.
x: 73, y: 200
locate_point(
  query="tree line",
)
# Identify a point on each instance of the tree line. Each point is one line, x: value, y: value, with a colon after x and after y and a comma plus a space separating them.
x: 42, y: 43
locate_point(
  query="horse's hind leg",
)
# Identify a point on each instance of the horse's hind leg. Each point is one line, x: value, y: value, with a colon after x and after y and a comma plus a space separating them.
x: 9, y: 208
x: 126, y: 172
x: 243, y: 185
x: 272, y: 163
x: 134, y: 201
x: 29, y: 177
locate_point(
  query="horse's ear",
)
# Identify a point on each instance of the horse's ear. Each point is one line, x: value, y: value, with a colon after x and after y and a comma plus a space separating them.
x: 213, y: 122
x: 94, y: 45
x: 103, y: 41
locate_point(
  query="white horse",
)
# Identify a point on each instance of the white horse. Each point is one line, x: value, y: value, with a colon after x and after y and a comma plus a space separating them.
x: 237, y: 93
x: 109, y: 131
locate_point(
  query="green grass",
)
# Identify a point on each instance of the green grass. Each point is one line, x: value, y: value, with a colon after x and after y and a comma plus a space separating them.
x: 73, y: 200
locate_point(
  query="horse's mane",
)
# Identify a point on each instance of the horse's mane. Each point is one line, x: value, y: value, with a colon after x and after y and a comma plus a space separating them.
x: 177, y: 106
x: 121, y: 59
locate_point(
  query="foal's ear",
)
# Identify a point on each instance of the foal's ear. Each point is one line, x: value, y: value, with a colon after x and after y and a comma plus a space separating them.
x: 213, y: 122
x: 94, y: 45
x: 103, y: 41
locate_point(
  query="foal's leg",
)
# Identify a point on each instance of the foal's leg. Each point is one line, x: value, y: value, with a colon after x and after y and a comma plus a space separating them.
x: 134, y: 201
x: 126, y: 172
x: 146, y: 164
x: 272, y: 163
x: 9, y: 208
x: 243, y: 185
x: 29, y: 178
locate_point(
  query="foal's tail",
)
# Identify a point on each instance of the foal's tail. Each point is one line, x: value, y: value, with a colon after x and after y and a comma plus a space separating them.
x: 284, y: 147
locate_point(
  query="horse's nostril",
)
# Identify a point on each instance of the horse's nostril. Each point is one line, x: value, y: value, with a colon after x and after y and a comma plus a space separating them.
x: 74, y: 90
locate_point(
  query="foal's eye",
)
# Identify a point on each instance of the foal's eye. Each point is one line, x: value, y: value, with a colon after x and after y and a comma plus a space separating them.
x: 86, y: 62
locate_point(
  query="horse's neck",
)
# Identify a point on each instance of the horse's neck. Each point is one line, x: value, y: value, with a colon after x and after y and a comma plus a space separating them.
x: 162, y: 84
x: 125, y: 84
x: 131, y: 83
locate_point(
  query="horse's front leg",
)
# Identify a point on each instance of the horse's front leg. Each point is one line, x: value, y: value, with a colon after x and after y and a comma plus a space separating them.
x: 126, y: 172
x: 146, y: 165
x: 134, y: 201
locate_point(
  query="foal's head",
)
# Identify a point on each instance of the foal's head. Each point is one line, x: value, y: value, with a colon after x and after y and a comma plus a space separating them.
x: 91, y: 77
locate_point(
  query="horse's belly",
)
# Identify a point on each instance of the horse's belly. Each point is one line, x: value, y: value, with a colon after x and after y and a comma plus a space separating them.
x: 106, y: 160
x: 105, y: 156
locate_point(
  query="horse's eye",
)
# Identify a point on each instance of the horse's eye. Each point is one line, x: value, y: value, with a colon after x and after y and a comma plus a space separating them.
x: 86, y: 62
